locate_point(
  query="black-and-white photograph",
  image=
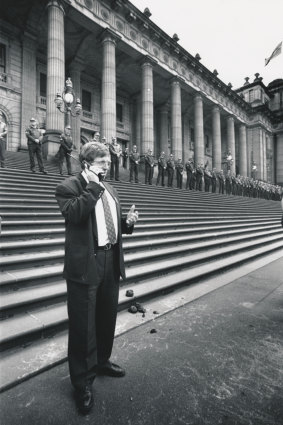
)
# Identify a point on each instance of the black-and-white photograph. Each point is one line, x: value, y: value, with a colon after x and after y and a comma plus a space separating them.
x: 141, y: 212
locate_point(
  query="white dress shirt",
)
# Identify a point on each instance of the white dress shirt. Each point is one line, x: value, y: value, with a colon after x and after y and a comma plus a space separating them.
x: 100, y: 216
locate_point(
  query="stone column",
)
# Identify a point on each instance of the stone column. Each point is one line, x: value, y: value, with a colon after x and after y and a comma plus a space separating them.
x: 176, y: 119
x: 108, y: 85
x: 28, y: 106
x: 198, y: 128
x: 264, y: 162
x: 163, y: 117
x: 55, y: 73
x: 231, y: 141
x: 75, y: 75
x: 147, y: 129
x: 216, y: 139
x: 137, y: 141
x: 243, y: 164
x: 186, y: 136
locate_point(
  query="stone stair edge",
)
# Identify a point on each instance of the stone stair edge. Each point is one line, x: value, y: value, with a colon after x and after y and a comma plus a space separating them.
x: 176, y: 278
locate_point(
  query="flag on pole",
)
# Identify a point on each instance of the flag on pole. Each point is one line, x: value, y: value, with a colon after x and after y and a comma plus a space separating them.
x: 275, y: 53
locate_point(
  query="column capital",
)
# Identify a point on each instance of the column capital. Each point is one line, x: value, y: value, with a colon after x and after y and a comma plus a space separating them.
x: 109, y: 35
x: 231, y: 118
x: 148, y: 60
x: 216, y: 108
x: 198, y: 96
x: 176, y: 80
x: 56, y: 3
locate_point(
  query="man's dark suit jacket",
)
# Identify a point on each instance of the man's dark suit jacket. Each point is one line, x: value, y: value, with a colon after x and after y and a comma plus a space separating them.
x: 77, y: 199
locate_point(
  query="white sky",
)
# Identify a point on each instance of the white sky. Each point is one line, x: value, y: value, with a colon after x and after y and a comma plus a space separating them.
x: 232, y: 36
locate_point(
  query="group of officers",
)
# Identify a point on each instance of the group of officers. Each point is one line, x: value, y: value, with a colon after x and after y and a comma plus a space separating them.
x: 199, y: 176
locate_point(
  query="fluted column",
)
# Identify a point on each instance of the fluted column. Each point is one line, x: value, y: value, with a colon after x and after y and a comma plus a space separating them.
x: 243, y: 164
x: 55, y: 68
x: 75, y: 74
x: 176, y: 119
x: 137, y: 141
x: 28, y: 106
x: 264, y: 162
x: 163, y: 116
x: 231, y: 141
x: 198, y: 127
x: 147, y: 116
x: 216, y: 138
x: 108, y: 87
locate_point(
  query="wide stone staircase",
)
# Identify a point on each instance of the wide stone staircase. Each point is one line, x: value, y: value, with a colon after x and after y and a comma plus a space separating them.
x: 182, y: 237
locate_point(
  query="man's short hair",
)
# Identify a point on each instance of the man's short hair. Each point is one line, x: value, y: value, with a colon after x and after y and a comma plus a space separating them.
x: 92, y: 150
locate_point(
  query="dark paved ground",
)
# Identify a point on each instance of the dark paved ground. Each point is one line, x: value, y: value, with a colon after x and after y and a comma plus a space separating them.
x: 218, y: 360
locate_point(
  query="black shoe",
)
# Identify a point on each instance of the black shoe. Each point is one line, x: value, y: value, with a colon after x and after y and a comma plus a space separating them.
x: 33, y: 170
x: 84, y: 399
x: 111, y: 369
x: 43, y: 171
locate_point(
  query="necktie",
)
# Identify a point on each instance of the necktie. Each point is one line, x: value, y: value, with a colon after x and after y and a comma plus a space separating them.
x: 108, y: 219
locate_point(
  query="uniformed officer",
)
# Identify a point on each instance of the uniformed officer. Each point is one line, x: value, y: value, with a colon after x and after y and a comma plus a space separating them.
x: 161, y: 169
x: 199, y: 176
x: 207, y: 178
x: 221, y: 179
x: 189, y: 169
x: 34, y: 136
x: 115, y: 153
x: 213, y: 179
x: 179, y: 173
x: 149, y: 166
x: 66, y: 146
x: 134, y: 159
x: 170, y: 170
x: 125, y: 156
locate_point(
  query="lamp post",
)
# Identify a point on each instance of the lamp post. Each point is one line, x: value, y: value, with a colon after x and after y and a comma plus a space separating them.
x: 64, y: 102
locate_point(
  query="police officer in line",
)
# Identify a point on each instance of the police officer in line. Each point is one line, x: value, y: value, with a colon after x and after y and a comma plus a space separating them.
x: 65, y: 149
x: 134, y: 159
x: 221, y: 179
x: 34, y: 136
x: 199, y: 176
x: 170, y: 170
x: 207, y: 178
x: 213, y: 180
x: 189, y: 169
x: 179, y: 173
x: 228, y: 181
x: 115, y: 153
x: 125, y: 156
x: 161, y: 169
x: 149, y: 166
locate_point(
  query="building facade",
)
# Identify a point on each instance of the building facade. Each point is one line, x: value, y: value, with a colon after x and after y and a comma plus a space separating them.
x: 135, y: 82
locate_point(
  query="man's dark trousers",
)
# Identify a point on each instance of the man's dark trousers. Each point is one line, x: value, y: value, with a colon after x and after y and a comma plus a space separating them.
x: 189, y: 180
x: 148, y: 174
x: 170, y: 172
x: 96, y: 333
x: 161, y: 174
x: 134, y: 170
x: 114, y: 169
x: 35, y: 149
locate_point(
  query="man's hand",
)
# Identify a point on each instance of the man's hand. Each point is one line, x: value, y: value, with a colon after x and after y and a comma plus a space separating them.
x: 132, y: 216
x: 92, y: 177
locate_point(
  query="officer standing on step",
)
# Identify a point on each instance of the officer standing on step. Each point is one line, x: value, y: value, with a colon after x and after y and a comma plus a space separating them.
x: 34, y: 137
x: 93, y: 265
x: 66, y: 145
x: 161, y: 169
x: 149, y: 166
x: 134, y: 158
x: 3, y: 139
x: 179, y: 173
x: 170, y: 170
x: 115, y: 152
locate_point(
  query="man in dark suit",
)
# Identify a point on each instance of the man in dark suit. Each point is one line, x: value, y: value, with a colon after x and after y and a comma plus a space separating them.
x: 93, y: 265
x: 170, y: 170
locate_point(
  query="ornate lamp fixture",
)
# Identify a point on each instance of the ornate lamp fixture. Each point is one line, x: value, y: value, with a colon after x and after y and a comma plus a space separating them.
x: 65, y: 102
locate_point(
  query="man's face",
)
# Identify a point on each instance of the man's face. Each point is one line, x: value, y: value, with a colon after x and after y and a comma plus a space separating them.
x: 67, y: 131
x: 171, y: 156
x: 134, y: 149
x: 101, y: 165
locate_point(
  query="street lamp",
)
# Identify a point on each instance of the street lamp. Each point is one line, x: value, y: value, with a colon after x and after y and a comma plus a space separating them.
x: 65, y: 102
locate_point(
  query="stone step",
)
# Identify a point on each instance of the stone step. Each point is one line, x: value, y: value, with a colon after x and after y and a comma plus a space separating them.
x: 26, y: 326
x: 140, y: 230
x: 137, y: 272
x: 149, y: 252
